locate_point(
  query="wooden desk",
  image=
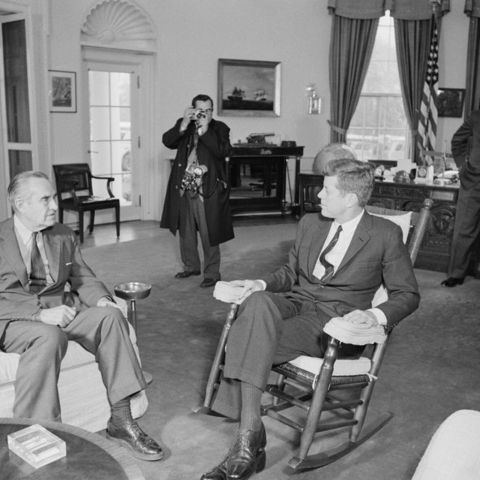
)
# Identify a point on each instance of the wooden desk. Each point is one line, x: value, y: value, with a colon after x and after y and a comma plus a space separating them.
x: 258, y: 177
x: 89, y: 456
x: 435, y: 250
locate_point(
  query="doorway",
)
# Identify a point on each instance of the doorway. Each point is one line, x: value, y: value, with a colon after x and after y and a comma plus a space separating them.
x: 114, y: 132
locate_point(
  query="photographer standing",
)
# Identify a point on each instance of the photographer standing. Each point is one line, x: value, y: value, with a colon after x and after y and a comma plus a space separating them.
x: 197, y: 192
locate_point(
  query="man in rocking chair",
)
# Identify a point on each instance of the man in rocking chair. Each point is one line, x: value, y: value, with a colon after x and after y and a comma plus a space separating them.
x: 338, y: 262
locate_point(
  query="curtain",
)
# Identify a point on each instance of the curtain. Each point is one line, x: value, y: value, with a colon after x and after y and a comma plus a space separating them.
x: 472, y: 87
x: 412, y: 39
x: 354, y: 26
x: 402, y: 9
x: 351, y: 47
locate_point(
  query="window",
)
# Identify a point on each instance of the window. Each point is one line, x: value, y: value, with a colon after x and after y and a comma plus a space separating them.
x: 379, y: 128
x: 110, y: 111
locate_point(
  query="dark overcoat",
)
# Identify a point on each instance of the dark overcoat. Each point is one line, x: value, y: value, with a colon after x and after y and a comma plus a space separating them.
x: 213, y: 146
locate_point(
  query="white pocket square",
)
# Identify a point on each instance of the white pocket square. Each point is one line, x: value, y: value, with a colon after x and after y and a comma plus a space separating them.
x: 69, y: 263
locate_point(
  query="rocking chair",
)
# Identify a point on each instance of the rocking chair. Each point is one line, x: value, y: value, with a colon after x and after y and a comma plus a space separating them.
x: 320, y: 388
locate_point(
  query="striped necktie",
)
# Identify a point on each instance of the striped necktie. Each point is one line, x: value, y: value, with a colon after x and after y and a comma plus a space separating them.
x: 329, y: 268
x: 38, y: 275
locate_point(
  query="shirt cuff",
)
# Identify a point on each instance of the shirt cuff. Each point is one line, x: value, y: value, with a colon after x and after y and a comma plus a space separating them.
x: 379, y: 315
x: 264, y: 284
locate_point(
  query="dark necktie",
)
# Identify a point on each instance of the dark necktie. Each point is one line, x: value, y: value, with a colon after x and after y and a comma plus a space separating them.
x: 38, y: 275
x: 329, y: 268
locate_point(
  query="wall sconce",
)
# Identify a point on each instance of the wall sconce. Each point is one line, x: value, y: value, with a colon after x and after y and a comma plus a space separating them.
x: 314, y: 101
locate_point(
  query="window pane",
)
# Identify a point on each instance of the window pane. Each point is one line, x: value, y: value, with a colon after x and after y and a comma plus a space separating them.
x: 19, y: 161
x: 100, y: 123
x: 98, y: 87
x: 120, y: 89
x: 100, y: 153
x: 379, y: 128
x: 16, y: 82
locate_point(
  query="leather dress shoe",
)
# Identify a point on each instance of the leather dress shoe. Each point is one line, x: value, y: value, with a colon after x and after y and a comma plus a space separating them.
x: 452, y: 282
x: 217, y: 473
x: 248, y: 455
x: 208, y: 282
x: 129, y: 435
x: 186, y: 274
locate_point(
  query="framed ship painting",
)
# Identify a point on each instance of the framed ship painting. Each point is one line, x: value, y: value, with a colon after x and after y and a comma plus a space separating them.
x: 248, y: 88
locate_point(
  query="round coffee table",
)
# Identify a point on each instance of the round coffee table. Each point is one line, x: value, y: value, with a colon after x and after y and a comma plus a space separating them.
x: 89, y: 456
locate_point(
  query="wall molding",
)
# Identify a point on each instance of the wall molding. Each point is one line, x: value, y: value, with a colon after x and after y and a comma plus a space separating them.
x: 118, y: 24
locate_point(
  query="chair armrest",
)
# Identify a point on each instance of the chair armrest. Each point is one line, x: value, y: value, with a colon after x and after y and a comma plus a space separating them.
x: 109, y: 181
x: 352, y: 334
x: 419, y: 231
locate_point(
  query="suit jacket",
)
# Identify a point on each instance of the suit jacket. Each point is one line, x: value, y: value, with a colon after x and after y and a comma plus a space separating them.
x: 376, y: 255
x: 66, y: 266
x: 466, y: 150
x: 213, y: 146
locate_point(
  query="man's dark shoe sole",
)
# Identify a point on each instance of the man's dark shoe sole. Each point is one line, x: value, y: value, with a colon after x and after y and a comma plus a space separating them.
x: 208, y: 282
x: 452, y: 282
x: 186, y: 274
x: 130, y: 436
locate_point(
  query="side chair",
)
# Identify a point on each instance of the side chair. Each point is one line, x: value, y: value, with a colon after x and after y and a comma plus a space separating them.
x: 316, y: 387
x: 75, y: 192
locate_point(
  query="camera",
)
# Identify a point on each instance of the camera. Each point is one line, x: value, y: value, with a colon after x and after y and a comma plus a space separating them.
x: 193, y: 177
x: 198, y: 114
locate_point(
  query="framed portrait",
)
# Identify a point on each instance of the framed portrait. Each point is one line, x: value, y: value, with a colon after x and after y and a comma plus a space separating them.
x: 450, y: 102
x: 63, y: 91
x: 248, y: 88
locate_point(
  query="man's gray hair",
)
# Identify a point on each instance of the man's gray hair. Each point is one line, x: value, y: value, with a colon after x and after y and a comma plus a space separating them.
x: 17, y: 185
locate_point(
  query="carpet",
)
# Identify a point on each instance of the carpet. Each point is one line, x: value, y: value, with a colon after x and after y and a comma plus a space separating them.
x: 430, y: 371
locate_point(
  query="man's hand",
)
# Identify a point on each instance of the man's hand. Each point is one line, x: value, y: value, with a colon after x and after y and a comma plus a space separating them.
x: 202, y: 125
x: 61, y: 316
x: 359, y: 317
x: 187, y: 117
x: 249, y: 286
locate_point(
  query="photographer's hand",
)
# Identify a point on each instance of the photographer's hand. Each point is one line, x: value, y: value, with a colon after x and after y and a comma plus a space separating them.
x: 202, y: 125
x: 187, y: 117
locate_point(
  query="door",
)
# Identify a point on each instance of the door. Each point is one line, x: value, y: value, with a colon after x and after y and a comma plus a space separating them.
x: 16, y: 133
x: 113, y: 92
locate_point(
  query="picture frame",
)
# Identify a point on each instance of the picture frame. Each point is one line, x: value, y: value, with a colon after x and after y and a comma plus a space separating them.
x: 62, y: 91
x: 248, y: 88
x: 450, y: 102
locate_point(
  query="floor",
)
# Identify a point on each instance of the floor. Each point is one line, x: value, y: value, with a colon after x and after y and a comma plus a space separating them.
x: 105, y: 234
x: 430, y: 369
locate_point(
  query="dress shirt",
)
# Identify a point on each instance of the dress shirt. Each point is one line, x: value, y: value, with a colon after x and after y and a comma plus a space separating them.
x: 335, y: 256
x: 24, y: 238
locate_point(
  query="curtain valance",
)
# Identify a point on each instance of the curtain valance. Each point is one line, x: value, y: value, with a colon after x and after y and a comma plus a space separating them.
x: 400, y: 9
x: 472, y: 8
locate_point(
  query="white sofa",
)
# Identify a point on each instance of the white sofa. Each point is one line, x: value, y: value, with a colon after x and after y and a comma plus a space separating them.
x: 83, y: 396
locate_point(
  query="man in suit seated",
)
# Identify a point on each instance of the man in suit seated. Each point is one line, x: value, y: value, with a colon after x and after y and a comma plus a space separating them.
x: 48, y: 296
x: 338, y: 262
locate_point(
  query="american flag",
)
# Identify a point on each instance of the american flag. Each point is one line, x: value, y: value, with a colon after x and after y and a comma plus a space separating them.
x: 427, y: 126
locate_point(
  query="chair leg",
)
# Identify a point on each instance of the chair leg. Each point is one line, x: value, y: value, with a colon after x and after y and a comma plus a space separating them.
x: 80, y: 226
x: 318, y: 398
x: 214, y: 377
x: 92, y: 220
x: 117, y: 220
